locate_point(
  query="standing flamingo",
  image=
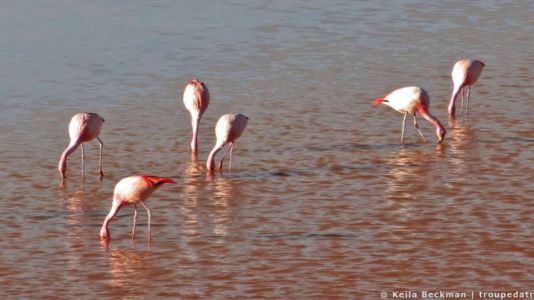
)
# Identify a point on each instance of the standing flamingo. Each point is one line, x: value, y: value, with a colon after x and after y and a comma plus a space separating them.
x: 196, y: 100
x: 229, y: 128
x: 412, y: 100
x: 464, y: 73
x: 83, y: 127
x: 132, y: 190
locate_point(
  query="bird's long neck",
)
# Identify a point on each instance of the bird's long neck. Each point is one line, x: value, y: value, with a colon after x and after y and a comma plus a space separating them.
x: 430, y: 118
x: 104, y: 232
x: 195, y: 123
x: 210, y: 163
x: 456, y: 90
x: 62, y: 166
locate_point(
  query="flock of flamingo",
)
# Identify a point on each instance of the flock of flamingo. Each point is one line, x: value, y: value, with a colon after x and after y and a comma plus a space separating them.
x: 85, y: 127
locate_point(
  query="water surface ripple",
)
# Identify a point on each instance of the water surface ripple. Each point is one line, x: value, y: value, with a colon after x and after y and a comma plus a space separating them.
x: 322, y: 201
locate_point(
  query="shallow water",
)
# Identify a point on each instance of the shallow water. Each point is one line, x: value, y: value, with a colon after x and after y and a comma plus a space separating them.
x: 322, y: 200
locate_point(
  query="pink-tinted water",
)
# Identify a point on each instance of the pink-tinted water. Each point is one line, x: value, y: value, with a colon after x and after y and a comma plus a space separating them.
x: 322, y: 201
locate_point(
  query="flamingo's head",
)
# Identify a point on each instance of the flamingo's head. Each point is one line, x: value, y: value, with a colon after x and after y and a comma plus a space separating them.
x: 440, y: 132
x: 62, y: 168
x: 210, y: 164
x: 104, y: 233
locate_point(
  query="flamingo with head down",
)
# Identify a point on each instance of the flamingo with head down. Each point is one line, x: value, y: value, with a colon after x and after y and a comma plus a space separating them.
x: 132, y: 190
x: 196, y: 100
x: 228, y: 129
x: 83, y: 127
x: 465, y: 73
x: 412, y: 100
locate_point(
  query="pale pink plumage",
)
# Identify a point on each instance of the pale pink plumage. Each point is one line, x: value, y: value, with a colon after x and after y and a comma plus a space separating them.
x: 228, y: 129
x: 83, y: 127
x: 132, y: 190
x: 464, y: 73
x: 410, y: 100
x: 196, y: 100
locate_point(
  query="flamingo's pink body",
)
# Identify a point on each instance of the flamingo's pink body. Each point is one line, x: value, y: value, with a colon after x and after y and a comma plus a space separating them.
x: 83, y: 127
x: 228, y: 129
x: 132, y: 190
x: 196, y: 100
x: 464, y: 73
x: 410, y: 100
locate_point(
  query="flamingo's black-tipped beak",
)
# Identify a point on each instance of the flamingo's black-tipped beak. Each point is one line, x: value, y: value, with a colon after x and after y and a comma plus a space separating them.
x: 63, y: 176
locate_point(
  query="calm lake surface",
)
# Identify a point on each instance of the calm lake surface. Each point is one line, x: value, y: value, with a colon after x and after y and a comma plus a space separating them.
x: 322, y: 200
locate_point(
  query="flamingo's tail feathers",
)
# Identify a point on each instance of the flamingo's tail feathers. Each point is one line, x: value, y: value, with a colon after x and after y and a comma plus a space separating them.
x: 166, y: 180
x: 378, y: 100
x: 156, y: 180
x: 200, y: 89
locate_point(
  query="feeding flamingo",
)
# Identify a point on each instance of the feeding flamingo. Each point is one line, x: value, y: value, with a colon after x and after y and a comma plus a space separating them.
x: 196, y: 100
x: 132, y: 190
x: 410, y: 100
x: 228, y: 129
x: 83, y: 127
x: 464, y: 73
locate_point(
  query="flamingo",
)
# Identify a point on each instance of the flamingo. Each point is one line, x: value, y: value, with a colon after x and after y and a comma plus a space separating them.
x: 196, y: 100
x: 410, y: 100
x: 83, y: 127
x: 132, y: 190
x: 464, y: 73
x: 228, y: 129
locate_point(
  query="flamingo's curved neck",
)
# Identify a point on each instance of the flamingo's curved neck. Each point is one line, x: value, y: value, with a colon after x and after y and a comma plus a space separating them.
x: 210, y: 163
x: 68, y: 151
x: 104, y: 232
x: 195, y: 123
x: 456, y: 90
x: 430, y: 118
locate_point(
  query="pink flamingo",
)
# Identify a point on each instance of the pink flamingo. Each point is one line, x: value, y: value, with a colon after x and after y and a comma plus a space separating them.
x: 229, y: 128
x: 83, y: 127
x: 132, y: 190
x: 464, y: 73
x: 196, y: 100
x: 412, y: 100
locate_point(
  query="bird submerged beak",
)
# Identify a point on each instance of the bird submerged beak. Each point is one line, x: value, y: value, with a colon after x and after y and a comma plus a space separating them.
x: 440, y: 140
x: 62, y: 175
